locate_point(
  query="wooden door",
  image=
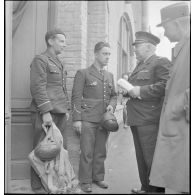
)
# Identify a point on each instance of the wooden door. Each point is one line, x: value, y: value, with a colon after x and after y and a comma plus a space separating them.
x: 28, y: 41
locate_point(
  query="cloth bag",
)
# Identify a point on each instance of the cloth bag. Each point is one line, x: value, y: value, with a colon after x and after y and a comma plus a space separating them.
x: 50, y: 146
x: 57, y: 175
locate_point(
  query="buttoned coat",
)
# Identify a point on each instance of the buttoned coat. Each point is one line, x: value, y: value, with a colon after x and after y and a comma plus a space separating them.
x: 92, y: 92
x: 170, y: 166
x: 151, y: 76
x: 48, y: 84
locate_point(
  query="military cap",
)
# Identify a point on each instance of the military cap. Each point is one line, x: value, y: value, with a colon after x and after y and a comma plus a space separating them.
x: 174, y: 11
x: 100, y: 45
x: 53, y: 32
x: 145, y: 37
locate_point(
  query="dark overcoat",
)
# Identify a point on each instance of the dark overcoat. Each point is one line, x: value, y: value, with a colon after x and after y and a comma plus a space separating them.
x: 92, y: 92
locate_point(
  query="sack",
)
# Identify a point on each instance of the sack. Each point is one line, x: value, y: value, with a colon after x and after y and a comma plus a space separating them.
x: 57, y: 175
x: 49, y: 147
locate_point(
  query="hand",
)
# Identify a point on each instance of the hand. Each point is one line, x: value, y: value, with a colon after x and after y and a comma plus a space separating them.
x: 135, y: 92
x: 47, y: 119
x: 109, y: 109
x: 67, y: 116
x: 77, y: 126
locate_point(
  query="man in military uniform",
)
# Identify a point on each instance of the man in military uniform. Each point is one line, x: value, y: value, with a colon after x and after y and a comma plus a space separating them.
x: 93, y: 94
x: 48, y: 89
x: 144, y: 106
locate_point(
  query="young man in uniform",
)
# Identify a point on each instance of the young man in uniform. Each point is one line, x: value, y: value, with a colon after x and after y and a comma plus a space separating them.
x: 49, y: 95
x: 93, y: 94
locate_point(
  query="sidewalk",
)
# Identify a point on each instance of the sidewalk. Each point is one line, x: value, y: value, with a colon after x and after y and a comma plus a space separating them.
x: 121, y: 168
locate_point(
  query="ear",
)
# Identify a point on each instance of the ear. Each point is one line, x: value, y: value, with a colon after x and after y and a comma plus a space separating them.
x: 50, y: 41
x: 96, y: 54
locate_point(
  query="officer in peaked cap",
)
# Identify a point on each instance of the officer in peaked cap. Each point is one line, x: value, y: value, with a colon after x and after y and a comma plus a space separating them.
x: 48, y: 90
x: 145, y: 37
x: 170, y: 166
x: 144, y: 106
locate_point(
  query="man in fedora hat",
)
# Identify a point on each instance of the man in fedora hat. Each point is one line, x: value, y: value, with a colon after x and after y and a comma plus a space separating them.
x: 144, y: 106
x: 170, y: 167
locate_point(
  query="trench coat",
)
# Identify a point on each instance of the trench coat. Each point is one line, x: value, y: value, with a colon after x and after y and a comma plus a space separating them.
x: 170, y: 168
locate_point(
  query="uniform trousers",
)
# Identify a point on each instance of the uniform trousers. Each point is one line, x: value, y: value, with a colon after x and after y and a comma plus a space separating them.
x: 145, y: 141
x: 39, y: 134
x: 93, y: 152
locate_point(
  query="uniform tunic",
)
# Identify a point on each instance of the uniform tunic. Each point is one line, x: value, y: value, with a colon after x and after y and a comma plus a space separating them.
x: 49, y: 94
x: 92, y: 93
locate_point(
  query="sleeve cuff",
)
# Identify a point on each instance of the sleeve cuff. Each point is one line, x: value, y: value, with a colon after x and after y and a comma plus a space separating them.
x: 45, y: 107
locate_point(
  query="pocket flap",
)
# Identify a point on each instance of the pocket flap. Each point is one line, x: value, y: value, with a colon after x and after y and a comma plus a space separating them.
x: 53, y: 69
x: 143, y: 75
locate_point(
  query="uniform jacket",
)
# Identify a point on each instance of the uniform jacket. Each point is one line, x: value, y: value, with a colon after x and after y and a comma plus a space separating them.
x: 170, y: 166
x: 92, y: 93
x: 48, y: 84
x: 151, y: 76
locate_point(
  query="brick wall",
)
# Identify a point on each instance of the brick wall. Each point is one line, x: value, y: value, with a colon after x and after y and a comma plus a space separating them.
x: 72, y: 18
x: 96, y: 26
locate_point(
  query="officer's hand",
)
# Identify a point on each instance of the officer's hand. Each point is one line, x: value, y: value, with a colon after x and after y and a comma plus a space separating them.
x: 109, y: 109
x: 77, y: 126
x: 135, y: 92
x: 47, y: 119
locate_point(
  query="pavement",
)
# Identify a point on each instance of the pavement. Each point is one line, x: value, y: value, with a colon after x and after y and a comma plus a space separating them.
x: 120, y: 165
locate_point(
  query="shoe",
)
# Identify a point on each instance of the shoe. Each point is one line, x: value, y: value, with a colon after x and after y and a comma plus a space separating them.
x: 136, y: 191
x: 86, y: 187
x: 40, y: 191
x: 101, y: 184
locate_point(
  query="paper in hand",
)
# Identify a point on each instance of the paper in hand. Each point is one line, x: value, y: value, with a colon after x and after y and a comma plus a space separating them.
x: 125, y: 84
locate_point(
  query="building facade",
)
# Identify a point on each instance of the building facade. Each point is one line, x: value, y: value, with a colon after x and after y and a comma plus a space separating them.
x: 85, y: 23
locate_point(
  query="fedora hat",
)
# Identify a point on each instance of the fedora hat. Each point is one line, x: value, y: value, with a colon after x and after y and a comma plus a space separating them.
x: 174, y: 11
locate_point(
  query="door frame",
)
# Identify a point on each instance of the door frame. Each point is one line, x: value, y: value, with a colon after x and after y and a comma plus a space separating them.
x: 8, y: 62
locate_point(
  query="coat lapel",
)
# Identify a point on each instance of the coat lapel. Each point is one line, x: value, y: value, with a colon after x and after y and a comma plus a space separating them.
x: 93, y: 70
x: 54, y: 59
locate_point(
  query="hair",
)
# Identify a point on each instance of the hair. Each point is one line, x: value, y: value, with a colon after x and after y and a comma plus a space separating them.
x: 49, y: 37
x: 100, y: 45
x: 52, y: 35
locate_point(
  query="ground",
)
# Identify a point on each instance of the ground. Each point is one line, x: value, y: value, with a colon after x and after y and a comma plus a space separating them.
x: 121, y: 168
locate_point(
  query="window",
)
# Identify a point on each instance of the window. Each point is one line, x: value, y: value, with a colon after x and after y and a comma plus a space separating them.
x: 125, y: 50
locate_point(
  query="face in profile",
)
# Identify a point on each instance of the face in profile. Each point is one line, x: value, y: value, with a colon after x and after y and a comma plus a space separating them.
x: 103, y: 56
x: 140, y: 51
x: 58, y: 43
x: 171, y: 31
